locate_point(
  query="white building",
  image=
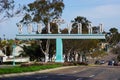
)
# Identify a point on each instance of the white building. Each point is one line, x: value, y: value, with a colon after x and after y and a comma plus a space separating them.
x: 17, y: 52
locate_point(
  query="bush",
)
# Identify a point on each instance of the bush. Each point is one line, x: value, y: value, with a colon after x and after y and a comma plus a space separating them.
x: 11, y: 62
x: 68, y: 64
x: 74, y: 63
x: 32, y: 64
x: 51, y: 63
x: 39, y: 64
x: 83, y: 63
x: 80, y: 63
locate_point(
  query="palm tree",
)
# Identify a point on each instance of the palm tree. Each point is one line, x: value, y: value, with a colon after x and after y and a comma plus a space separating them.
x: 83, y: 21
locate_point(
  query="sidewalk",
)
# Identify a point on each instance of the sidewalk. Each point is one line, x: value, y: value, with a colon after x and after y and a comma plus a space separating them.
x: 5, y: 66
x: 35, y: 72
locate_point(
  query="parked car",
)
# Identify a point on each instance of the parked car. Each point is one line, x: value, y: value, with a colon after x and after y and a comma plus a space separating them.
x: 110, y: 62
x: 115, y: 63
x: 99, y: 61
x: 102, y: 61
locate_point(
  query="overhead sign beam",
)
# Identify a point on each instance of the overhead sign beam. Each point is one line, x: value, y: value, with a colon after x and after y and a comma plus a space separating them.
x: 63, y: 36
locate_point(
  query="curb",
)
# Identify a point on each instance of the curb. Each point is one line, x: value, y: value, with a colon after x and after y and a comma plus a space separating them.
x: 35, y: 72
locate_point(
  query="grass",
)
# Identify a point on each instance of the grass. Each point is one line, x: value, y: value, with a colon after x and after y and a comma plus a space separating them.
x: 19, y: 69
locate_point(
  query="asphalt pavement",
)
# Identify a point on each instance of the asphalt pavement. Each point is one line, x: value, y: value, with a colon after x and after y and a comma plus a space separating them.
x: 71, y: 73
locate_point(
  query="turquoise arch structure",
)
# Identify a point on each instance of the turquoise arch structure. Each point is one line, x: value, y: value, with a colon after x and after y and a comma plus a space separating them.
x: 59, y: 37
x: 59, y: 50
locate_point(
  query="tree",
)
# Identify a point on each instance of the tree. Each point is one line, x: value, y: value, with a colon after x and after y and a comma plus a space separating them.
x: 3, y: 45
x: 6, y: 46
x: 114, y: 37
x: 95, y: 29
x: 43, y: 11
x: 83, y: 21
x: 116, y: 50
x: 78, y: 48
x: 113, y: 30
x: 114, y: 41
x: 8, y: 9
x: 73, y: 48
x: 8, y: 50
x: 33, y: 51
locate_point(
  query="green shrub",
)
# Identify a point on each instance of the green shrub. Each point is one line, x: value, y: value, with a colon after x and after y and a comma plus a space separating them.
x: 11, y: 62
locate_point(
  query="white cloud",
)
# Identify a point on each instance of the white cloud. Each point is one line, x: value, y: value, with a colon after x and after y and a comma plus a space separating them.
x: 108, y: 10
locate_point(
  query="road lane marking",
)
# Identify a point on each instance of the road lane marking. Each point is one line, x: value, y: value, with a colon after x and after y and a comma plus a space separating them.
x: 41, y: 77
x: 79, y: 79
x: 92, y: 76
x: 60, y: 74
x: 75, y: 71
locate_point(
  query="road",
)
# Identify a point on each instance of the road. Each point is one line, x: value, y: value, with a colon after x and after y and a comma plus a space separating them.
x: 75, y: 73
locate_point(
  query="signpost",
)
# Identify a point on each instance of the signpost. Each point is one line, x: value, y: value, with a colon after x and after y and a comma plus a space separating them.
x: 59, y: 37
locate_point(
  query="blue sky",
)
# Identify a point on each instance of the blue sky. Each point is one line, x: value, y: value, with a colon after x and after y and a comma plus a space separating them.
x: 106, y: 12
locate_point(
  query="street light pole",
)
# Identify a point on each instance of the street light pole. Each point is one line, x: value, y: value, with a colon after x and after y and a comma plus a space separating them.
x: 14, y: 45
